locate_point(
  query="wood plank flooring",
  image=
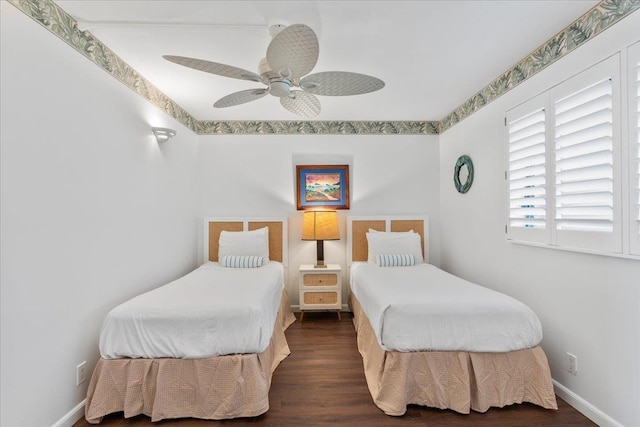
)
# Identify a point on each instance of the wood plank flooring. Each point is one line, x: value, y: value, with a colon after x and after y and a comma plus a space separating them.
x: 322, y: 384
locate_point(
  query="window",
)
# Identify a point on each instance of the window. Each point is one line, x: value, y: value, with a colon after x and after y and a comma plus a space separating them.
x: 588, y: 213
x: 563, y: 176
x: 527, y: 175
x: 584, y: 159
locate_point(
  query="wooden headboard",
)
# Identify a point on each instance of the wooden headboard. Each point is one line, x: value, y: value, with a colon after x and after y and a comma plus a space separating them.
x: 277, y: 235
x: 357, y: 227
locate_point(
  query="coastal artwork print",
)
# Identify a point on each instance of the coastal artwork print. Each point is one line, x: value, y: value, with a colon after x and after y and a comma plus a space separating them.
x: 325, y: 186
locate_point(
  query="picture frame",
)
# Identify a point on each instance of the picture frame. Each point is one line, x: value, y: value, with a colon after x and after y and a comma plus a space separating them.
x: 322, y: 186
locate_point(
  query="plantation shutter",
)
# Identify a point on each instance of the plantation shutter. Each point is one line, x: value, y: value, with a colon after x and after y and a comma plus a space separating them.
x: 526, y: 174
x: 586, y: 196
x: 584, y: 159
x: 564, y: 163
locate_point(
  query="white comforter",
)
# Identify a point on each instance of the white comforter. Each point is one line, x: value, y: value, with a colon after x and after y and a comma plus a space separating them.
x: 423, y: 308
x: 209, y: 312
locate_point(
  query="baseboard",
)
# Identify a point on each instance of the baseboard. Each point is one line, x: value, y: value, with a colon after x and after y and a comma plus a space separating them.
x: 72, y: 416
x: 584, y: 407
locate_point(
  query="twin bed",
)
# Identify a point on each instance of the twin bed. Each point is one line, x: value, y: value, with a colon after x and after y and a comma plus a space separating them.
x: 429, y: 338
x: 206, y: 345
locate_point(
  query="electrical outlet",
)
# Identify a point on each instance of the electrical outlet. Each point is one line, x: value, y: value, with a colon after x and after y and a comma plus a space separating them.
x: 81, y: 373
x: 573, y: 363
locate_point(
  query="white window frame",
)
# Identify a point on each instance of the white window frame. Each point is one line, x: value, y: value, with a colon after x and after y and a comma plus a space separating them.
x: 595, y: 242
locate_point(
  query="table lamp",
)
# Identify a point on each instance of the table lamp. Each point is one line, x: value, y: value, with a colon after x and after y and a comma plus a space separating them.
x: 320, y: 226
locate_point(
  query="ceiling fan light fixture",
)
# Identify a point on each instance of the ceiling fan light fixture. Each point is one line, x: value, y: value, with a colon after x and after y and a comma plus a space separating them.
x: 279, y: 88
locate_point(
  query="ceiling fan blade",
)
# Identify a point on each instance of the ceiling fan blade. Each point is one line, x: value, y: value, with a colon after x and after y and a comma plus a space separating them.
x: 294, y: 48
x: 340, y: 83
x: 241, y: 97
x: 214, y: 68
x: 301, y: 103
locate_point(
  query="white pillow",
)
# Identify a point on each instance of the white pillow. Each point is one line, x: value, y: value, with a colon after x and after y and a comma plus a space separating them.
x: 242, y: 261
x: 371, y: 230
x: 395, y: 260
x: 255, y: 242
x: 389, y: 243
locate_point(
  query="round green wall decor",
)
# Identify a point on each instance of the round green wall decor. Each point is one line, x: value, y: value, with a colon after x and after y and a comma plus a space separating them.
x: 463, y: 161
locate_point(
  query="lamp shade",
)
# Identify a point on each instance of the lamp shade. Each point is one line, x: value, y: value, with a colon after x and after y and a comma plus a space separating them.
x: 320, y: 225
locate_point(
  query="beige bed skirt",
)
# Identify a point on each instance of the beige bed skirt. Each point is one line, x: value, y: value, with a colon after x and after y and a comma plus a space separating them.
x: 215, y: 388
x: 455, y: 380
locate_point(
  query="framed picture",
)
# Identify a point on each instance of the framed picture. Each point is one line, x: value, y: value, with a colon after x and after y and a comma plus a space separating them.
x: 325, y: 186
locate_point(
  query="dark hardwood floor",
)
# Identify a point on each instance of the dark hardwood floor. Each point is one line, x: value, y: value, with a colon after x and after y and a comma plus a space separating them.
x: 322, y: 384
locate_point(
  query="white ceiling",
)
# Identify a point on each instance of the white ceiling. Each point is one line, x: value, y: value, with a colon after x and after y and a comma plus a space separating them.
x: 432, y: 55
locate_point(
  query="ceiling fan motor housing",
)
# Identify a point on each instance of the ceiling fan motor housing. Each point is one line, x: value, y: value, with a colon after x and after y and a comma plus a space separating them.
x: 279, y: 85
x: 279, y: 88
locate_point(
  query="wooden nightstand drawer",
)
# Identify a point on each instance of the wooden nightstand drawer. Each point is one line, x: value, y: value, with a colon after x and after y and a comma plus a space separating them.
x: 321, y: 298
x: 320, y: 288
x: 320, y: 279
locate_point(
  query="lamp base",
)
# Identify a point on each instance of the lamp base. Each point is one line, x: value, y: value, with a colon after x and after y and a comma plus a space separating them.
x: 320, y: 255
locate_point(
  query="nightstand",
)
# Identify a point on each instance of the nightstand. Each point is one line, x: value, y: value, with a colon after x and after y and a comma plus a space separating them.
x: 320, y: 288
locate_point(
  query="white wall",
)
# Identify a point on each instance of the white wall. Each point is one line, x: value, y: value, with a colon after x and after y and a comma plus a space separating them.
x: 255, y: 176
x: 93, y: 211
x: 589, y: 305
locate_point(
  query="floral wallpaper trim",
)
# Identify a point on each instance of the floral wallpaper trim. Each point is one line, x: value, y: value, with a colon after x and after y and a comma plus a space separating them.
x: 60, y: 23
x: 599, y: 18
x: 316, y: 127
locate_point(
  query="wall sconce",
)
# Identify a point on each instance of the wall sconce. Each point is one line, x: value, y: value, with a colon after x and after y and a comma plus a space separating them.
x: 320, y: 226
x: 163, y: 134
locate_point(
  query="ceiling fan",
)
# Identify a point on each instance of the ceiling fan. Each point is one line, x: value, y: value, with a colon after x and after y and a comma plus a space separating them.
x: 291, y: 55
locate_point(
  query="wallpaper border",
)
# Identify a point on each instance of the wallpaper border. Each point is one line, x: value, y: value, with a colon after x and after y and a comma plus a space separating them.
x: 317, y: 127
x: 593, y: 22
x: 57, y: 21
